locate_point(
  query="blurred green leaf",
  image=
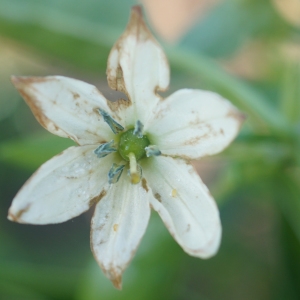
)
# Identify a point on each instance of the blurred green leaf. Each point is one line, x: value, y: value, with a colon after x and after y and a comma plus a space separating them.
x: 9, y: 290
x: 233, y: 23
x: 287, y: 195
x: 290, y: 92
x: 251, y: 159
x: 45, y: 280
x: 30, y: 152
x: 58, y: 27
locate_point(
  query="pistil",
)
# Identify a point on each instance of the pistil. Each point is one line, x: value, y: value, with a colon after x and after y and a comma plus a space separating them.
x: 135, y: 170
x: 131, y: 143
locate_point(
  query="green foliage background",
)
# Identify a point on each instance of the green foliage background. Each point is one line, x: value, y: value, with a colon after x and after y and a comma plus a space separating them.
x: 256, y: 185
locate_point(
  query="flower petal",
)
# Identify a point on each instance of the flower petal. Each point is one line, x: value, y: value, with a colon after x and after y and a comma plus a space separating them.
x: 138, y: 67
x: 184, y: 204
x: 66, y: 107
x: 63, y: 187
x: 193, y: 123
x: 118, y: 224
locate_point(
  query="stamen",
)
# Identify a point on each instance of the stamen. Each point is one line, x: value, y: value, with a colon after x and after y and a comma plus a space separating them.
x: 152, y: 150
x: 114, y: 126
x: 135, y: 171
x: 114, y: 173
x: 138, y: 129
x: 105, y: 149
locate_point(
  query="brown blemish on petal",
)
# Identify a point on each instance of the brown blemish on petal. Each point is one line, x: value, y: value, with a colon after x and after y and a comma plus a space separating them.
x: 97, y: 198
x: 144, y: 184
x: 193, y: 141
x: 16, y: 217
x: 75, y: 95
x: 116, y: 81
x: 119, y: 105
x: 157, y: 196
x: 23, y: 85
x: 100, y: 228
x: 196, y: 121
x: 71, y: 177
x: 137, y: 29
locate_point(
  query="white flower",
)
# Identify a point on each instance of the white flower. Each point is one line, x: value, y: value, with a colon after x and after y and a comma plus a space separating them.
x: 132, y: 154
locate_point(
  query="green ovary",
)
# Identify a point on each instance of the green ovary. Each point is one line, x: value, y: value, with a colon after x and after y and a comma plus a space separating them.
x: 130, y: 143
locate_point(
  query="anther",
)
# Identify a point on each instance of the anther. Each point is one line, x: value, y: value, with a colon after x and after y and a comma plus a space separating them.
x: 152, y: 150
x: 114, y: 126
x: 138, y: 129
x: 105, y: 149
x: 114, y: 173
x: 135, y: 171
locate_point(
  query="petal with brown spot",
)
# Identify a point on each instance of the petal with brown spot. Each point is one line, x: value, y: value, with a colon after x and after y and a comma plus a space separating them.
x: 62, y: 188
x: 138, y: 67
x: 119, y: 222
x: 66, y: 107
x: 194, y: 123
x: 190, y: 213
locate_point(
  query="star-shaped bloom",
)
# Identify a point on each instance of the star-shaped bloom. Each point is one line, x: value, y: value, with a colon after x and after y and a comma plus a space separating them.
x: 132, y: 155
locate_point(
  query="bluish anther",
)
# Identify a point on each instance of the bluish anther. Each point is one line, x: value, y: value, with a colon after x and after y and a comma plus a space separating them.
x: 152, y: 150
x: 114, y: 126
x: 138, y: 129
x: 105, y: 149
x: 114, y: 173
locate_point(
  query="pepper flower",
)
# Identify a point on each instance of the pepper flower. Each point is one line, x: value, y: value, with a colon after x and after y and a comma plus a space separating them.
x: 132, y: 155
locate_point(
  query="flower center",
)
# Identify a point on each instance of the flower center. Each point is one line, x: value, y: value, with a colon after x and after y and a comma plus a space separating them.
x: 132, y: 143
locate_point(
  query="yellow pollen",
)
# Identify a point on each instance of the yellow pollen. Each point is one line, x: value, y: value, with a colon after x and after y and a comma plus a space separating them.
x: 174, y: 193
x: 115, y: 227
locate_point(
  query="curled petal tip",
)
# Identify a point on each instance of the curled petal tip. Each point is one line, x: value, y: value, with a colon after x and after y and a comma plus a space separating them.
x: 13, y: 218
x: 17, y: 80
x: 243, y: 117
x: 20, y: 79
x: 117, y: 282
x: 137, y: 21
x: 16, y: 215
x: 137, y: 9
x: 238, y: 115
x: 20, y: 82
x: 10, y: 217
